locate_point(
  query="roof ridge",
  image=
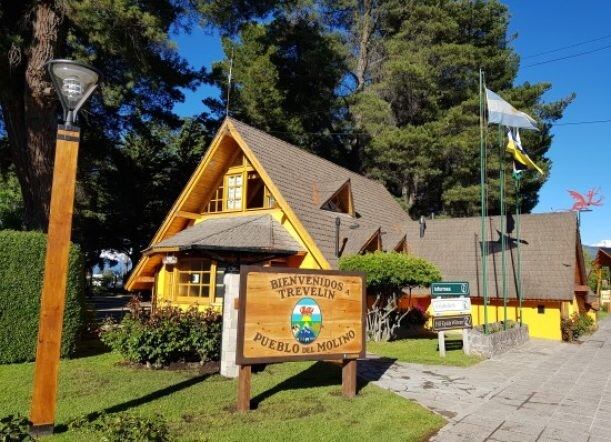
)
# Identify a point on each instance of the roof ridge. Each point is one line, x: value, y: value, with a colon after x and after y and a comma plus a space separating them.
x: 456, y: 218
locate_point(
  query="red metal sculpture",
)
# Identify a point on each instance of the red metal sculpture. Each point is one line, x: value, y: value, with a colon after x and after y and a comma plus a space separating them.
x: 583, y: 202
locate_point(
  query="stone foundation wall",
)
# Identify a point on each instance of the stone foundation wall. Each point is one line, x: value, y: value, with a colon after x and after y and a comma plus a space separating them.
x: 496, y: 343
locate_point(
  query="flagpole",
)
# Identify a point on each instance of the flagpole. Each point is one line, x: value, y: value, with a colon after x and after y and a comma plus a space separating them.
x: 519, y: 285
x: 483, y: 201
x: 502, y: 191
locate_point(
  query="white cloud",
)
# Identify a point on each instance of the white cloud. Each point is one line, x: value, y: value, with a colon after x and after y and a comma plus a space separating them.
x: 603, y: 243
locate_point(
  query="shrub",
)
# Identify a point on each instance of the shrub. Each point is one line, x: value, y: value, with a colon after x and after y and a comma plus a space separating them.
x: 125, y: 427
x: 166, y: 335
x: 22, y: 256
x: 15, y: 428
x: 388, y: 273
x: 577, y: 325
x: 416, y: 316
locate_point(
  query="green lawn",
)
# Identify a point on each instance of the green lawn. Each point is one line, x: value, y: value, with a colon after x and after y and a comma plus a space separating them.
x: 295, y: 402
x: 602, y: 314
x: 422, y: 350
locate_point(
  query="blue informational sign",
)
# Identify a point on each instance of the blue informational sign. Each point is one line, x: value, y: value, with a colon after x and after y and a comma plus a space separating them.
x: 450, y: 288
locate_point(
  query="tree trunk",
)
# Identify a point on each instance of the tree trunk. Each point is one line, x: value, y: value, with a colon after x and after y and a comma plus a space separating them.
x: 29, y: 112
x: 365, y: 29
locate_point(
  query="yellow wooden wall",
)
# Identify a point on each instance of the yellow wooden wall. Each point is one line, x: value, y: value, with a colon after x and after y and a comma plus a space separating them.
x: 163, y: 278
x: 541, y: 325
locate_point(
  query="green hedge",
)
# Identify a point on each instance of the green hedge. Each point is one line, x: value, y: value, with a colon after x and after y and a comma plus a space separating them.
x: 22, y: 256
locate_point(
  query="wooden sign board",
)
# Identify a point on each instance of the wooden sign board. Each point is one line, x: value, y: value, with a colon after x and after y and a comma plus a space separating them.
x: 457, y: 322
x: 293, y: 315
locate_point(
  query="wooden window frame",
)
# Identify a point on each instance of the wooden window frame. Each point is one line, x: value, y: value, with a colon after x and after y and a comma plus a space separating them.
x: 226, y: 178
x: 243, y: 169
x: 179, y: 269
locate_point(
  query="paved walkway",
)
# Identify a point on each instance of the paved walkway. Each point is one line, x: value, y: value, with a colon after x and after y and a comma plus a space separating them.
x: 541, y: 391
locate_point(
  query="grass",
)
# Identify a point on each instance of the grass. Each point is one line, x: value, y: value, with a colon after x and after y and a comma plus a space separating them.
x: 602, y: 314
x: 294, y: 401
x: 423, y: 350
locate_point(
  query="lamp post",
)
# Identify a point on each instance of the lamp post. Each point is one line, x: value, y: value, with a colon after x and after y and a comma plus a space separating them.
x: 74, y: 83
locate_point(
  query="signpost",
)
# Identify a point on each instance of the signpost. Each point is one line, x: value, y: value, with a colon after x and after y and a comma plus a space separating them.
x: 443, y: 306
x: 452, y: 322
x: 450, y: 288
x: 295, y: 315
x: 451, y: 307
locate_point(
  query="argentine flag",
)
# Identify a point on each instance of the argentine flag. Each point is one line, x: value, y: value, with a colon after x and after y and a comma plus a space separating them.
x: 503, y: 113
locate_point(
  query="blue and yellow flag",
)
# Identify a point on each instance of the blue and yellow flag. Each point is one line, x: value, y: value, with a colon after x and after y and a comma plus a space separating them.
x: 521, y: 160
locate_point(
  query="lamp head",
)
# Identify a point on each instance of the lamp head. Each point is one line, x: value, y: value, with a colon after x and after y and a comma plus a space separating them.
x: 74, y: 83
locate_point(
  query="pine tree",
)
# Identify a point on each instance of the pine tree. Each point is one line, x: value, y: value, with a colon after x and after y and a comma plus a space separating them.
x: 420, y: 107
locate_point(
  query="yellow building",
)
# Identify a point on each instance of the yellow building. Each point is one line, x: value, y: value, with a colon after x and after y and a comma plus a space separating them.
x: 256, y: 199
x: 552, y: 267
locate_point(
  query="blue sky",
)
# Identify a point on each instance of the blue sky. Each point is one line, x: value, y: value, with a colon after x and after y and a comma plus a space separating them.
x: 581, y: 154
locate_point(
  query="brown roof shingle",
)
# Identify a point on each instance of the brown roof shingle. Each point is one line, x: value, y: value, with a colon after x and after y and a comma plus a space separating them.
x: 256, y: 233
x: 547, y: 249
x: 298, y: 173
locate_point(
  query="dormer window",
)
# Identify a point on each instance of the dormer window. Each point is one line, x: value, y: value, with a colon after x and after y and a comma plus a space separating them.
x: 341, y: 201
x: 241, y: 188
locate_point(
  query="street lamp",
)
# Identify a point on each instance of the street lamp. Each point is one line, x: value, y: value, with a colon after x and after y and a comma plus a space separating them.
x: 74, y: 83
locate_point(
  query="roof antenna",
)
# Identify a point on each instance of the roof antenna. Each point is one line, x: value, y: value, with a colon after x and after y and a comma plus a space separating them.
x: 229, y: 82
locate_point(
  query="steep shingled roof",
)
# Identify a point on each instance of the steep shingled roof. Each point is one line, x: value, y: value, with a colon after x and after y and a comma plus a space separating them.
x: 298, y: 173
x: 547, y: 250
x: 256, y: 233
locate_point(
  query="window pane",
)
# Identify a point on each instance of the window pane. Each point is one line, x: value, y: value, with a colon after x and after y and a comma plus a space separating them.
x: 220, y: 291
x: 183, y: 277
x: 196, y: 278
x: 183, y: 290
x: 205, y: 291
x: 193, y: 290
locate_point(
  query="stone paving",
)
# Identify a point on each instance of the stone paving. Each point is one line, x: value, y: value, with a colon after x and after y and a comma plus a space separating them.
x: 541, y: 391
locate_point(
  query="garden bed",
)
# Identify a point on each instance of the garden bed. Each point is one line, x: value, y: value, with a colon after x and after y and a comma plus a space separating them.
x: 498, y: 339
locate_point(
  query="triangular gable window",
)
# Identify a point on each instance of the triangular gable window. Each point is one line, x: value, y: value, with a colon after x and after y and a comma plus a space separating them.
x: 341, y: 201
x: 374, y: 243
x: 402, y: 246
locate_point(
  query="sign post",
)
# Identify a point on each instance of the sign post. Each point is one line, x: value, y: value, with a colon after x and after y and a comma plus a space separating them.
x: 299, y: 315
x: 451, y: 306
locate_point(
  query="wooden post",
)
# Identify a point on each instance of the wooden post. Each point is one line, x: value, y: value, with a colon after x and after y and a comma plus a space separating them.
x: 442, y: 343
x: 53, y: 295
x: 244, y: 388
x: 349, y: 378
x: 466, y: 345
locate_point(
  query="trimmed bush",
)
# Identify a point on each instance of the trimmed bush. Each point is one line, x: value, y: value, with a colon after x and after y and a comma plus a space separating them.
x: 166, y: 335
x: 388, y: 273
x: 22, y: 256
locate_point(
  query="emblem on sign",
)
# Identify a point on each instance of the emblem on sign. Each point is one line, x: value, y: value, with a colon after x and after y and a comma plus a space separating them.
x: 306, y: 321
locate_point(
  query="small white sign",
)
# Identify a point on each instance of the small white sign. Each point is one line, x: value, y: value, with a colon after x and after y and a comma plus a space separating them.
x: 455, y: 306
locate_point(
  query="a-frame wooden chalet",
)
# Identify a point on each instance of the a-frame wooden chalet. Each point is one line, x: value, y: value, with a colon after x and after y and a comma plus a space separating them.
x: 257, y: 199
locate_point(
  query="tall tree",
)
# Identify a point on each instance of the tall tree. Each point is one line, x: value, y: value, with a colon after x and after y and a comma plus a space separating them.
x: 420, y: 108
x: 285, y: 80
x: 129, y: 40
